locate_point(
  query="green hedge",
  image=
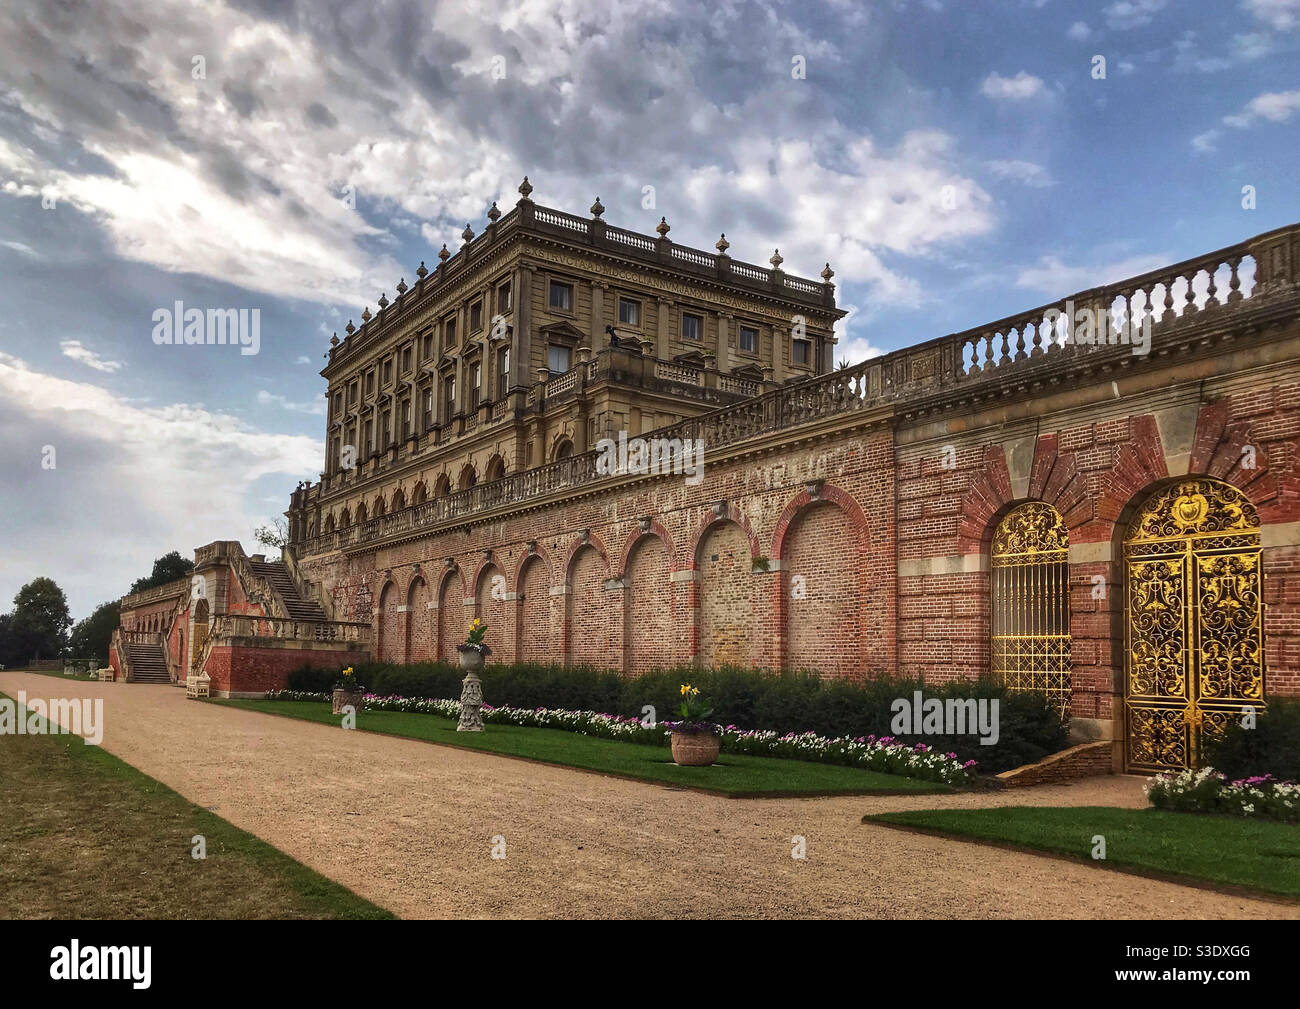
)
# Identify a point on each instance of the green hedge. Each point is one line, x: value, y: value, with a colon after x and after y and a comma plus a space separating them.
x: 1271, y: 747
x: 1029, y: 728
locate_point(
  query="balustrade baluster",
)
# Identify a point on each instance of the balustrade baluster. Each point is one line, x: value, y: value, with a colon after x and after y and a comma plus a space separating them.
x: 1190, y: 307
x: 1234, y: 283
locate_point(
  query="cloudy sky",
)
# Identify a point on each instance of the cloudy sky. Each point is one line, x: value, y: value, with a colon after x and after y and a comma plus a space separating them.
x: 300, y: 157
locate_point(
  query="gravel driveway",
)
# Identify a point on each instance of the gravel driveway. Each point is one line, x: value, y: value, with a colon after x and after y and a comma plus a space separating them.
x: 410, y: 826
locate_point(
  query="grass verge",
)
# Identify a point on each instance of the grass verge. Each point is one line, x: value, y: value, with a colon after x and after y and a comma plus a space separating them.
x: 1218, y: 851
x: 738, y: 775
x: 85, y: 836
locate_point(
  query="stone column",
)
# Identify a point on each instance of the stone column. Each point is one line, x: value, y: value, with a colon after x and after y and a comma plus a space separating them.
x: 521, y: 352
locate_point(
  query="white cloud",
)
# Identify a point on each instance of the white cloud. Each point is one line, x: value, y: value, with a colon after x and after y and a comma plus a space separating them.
x: 1078, y: 31
x: 140, y: 479
x: 1027, y: 172
x: 75, y: 350
x: 1283, y: 15
x: 1018, y: 88
x: 302, y: 359
x: 1207, y: 142
x: 1275, y: 107
x: 1132, y: 13
x: 1054, y: 277
x: 316, y: 407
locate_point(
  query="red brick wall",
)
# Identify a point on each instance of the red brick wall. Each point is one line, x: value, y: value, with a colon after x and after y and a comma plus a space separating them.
x: 588, y: 623
x: 259, y: 669
x: 730, y: 595
x: 390, y: 625
x: 451, y: 616
x: 650, y: 623
x: 536, y: 632
x: 491, y: 607
x: 419, y: 622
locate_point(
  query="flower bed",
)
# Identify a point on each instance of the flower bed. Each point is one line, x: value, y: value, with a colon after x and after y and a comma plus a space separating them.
x: 1209, y: 791
x: 883, y: 754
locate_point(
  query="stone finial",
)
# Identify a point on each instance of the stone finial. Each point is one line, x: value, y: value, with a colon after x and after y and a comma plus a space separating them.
x: 776, y: 259
x: 350, y: 328
x: 597, y: 208
x: 827, y: 273
x: 468, y: 233
x: 663, y: 228
x: 525, y: 188
x: 722, y: 245
x: 383, y: 301
x: 422, y: 271
x: 443, y: 254
x: 365, y: 315
x: 494, y: 214
x: 401, y: 286
x: 334, y: 340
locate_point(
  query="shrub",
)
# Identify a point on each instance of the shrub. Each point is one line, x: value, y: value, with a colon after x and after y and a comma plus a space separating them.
x: 1271, y: 747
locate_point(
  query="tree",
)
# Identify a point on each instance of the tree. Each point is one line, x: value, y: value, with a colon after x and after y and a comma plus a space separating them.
x: 275, y: 536
x: 40, y: 620
x: 166, y: 568
x: 90, y: 637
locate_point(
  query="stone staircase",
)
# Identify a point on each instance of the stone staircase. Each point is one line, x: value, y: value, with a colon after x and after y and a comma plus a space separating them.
x: 278, y: 575
x: 148, y: 663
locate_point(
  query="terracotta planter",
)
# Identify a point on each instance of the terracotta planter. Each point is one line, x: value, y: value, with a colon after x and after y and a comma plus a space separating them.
x: 345, y: 697
x: 695, y: 749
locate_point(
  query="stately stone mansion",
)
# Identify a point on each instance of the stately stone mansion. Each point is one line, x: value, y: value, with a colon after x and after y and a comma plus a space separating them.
x: 1113, y: 524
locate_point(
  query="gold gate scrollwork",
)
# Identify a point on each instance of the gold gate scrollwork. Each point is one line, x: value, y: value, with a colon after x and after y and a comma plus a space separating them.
x: 1030, y: 613
x: 1194, y: 651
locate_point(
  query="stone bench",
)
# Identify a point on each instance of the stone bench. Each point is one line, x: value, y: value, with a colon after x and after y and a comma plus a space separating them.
x: 198, y: 686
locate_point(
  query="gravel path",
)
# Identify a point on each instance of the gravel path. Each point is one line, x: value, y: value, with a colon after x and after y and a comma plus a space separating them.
x: 410, y: 826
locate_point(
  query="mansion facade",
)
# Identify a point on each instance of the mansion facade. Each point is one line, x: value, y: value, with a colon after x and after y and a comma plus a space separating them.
x: 1120, y: 530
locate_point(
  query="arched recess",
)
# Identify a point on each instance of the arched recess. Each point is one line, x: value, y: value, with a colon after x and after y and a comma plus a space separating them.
x: 1029, y: 603
x: 490, y: 607
x: 452, y: 623
x: 728, y: 597
x: 398, y: 502
x: 587, y: 618
x: 562, y: 449
x: 345, y: 520
x: 534, y: 638
x: 649, y: 638
x: 822, y: 547
x: 496, y: 469
x: 361, y: 516
x: 390, y: 625
x: 379, y: 509
x: 1193, y: 621
x: 420, y: 494
x: 419, y: 621
x: 442, y: 486
x: 467, y: 479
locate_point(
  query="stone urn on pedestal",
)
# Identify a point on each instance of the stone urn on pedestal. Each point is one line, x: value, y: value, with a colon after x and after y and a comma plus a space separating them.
x: 472, y: 654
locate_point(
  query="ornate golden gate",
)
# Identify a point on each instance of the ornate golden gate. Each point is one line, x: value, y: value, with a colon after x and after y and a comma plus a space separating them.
x: 1194, y: 648
x: 1029, y: 610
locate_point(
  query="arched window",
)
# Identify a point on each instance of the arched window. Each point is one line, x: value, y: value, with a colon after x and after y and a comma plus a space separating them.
x: 1029, y: 607
x: 496, y: 469
x: 442, y: 487
x: 563, y: 450
x: 468, y: 478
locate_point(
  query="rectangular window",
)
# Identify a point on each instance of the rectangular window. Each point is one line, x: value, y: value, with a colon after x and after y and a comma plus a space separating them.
x: 449, y: 331
x: 448, y: 398
x: 406, y: 419
x: 692, y: 326
x: 370, y: 383
x: 476, y: 317
x: 338, y: 403
x: 352, y: 394
x: 802, y: 351
x: 557, y: 359
x: 503, y: 373
x: 406, y: 361
x: 388, y: 372
x: 428, y: 409
x: 629, y: 312
x: 386, y: 431
x: 503, y: 298
x: 749, y: 339
x: 475, y: 384
x: 368, y: 439
x: 427, y: 353
x: 561, y: 297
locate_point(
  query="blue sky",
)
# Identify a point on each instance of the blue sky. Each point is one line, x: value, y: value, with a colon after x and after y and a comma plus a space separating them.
x: 155, y: 151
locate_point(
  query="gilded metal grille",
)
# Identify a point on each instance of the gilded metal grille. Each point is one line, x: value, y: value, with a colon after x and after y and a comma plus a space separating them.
x: 1030, y: 604
x: 1194, y: 652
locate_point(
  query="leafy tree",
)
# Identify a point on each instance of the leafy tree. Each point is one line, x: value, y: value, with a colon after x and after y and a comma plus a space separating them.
x: 90, y: 637
x: 275, y: 536
x: 166, y: 568
x: 40, y: 620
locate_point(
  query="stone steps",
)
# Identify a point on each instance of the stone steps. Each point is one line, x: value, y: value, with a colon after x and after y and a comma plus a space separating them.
x: 278, y: 575
x: 148, y: 664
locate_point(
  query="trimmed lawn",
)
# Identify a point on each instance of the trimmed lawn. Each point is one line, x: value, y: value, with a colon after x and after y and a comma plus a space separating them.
x: 1260, y: 855
x: 734, y: 774
x: 85, y: 836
